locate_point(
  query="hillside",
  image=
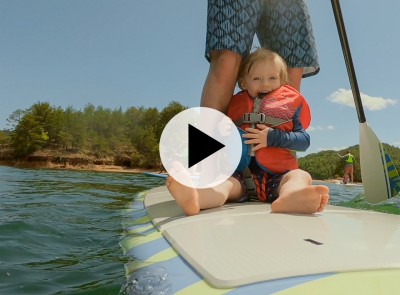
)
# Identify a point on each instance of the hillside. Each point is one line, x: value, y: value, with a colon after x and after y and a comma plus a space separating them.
x: 92, y: 136
x: 327, y: 164
x: 128, y: 138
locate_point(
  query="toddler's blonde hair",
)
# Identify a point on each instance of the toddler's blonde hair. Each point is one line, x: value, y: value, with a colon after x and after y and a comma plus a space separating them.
x: 260, y: 55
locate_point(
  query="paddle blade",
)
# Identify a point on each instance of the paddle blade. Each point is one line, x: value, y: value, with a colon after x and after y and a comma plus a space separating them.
x: 379, y: 175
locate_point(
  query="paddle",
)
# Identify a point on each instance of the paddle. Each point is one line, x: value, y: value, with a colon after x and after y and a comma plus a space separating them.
x: 379, y: 175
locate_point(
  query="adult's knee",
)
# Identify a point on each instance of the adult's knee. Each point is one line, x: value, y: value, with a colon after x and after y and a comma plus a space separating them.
x: 225, y: 61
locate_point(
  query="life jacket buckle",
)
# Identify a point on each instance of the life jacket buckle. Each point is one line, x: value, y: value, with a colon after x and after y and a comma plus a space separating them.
x: 253, y: 118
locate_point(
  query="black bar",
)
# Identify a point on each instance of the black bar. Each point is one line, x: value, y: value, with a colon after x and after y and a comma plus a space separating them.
x: 349, y: 62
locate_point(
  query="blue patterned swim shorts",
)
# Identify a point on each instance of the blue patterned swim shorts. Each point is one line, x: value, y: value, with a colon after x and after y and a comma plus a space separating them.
x: 283, y: 26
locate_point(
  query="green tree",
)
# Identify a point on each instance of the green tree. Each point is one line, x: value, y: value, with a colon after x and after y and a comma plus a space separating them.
x: 4, y: 139
x: 73, y: 134
x: 47, y: 120
x: 14, y: 119
x: 28, y: 136
x: 166, y: 115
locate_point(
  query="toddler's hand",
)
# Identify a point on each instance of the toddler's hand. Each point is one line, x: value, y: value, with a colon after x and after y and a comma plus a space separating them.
x: 257, y: 137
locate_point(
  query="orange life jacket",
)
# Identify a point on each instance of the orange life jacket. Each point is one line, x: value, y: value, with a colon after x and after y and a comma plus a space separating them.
x: 282, y: 104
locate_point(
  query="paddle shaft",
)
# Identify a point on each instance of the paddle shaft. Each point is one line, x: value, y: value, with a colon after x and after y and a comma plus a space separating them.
x: 349, y: 62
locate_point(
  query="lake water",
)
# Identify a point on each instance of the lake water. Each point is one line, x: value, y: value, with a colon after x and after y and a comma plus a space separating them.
x: 60, y: 230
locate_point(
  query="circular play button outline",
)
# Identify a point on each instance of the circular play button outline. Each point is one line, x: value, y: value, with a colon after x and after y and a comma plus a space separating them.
x: 200, y: 147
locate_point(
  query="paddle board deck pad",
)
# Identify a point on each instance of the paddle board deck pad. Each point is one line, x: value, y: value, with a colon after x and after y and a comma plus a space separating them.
x: 245, y: 249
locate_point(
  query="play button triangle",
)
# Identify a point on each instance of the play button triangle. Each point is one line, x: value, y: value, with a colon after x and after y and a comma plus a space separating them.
x: 201, y: 145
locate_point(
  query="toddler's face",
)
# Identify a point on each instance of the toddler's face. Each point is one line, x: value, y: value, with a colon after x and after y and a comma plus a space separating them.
x: 262, y: 78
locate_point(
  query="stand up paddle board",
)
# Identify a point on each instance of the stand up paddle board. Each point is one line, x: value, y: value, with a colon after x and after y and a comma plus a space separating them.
x: 245, y: 249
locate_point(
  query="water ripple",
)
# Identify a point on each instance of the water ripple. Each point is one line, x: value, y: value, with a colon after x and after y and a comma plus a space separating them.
x: 60, y: 230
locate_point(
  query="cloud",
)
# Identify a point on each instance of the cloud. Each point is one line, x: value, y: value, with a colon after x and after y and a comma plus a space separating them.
x: 320, y: 128
x: 345, y: 97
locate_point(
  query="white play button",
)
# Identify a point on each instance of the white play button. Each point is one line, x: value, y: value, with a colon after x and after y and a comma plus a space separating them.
x: 203, y: 141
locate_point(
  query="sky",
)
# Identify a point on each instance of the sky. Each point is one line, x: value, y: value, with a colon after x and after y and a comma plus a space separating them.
x: 124, y: 53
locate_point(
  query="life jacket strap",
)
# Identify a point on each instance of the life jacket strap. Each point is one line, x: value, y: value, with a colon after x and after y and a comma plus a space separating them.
x: 250, y: 185
x: 253, y: 118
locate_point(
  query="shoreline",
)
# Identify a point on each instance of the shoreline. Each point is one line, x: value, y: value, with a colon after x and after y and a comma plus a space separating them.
x: 102, y: 168
x: 89, y: 167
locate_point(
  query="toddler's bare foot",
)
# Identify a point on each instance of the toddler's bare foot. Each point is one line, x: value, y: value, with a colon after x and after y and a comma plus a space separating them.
x: 324, y: 202
x: 309, y: 199
x: 186, y: 197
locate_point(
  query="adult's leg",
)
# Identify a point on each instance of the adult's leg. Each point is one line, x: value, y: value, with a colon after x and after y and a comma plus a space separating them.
x: 231, y: 27
x: 221, y: 79
x: 351, y: 172
x: 285, y: 27
x: 295, y: 76
x: 297, y: 194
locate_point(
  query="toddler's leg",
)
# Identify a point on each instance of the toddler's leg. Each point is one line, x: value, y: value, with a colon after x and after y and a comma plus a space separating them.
x: 192, y: 200
x: 297, y: 194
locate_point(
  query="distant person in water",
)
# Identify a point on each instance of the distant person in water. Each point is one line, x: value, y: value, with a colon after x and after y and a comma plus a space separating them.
x: 349, y: 164
x: 346, y: 179
x: 263, y: 78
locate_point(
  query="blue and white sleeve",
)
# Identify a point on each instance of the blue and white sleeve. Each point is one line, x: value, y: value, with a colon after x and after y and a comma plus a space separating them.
x: 298, y: 139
